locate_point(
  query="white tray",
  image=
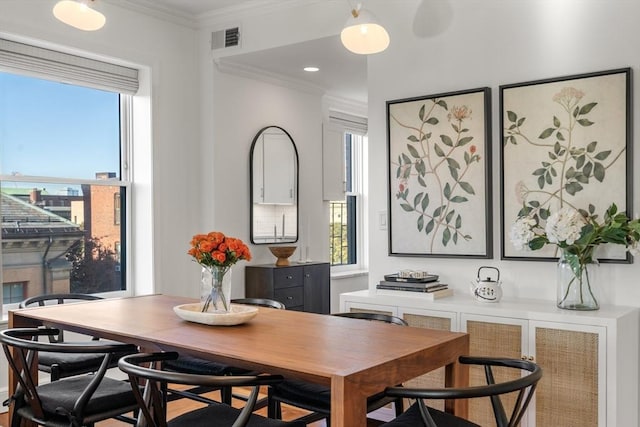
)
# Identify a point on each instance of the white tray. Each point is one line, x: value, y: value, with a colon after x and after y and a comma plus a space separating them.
x: 239, y: 314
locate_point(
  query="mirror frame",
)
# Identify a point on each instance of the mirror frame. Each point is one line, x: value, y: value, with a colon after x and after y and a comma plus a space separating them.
x: 297, y: 186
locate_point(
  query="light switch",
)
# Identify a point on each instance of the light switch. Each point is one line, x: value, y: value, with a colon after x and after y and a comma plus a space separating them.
x: 382, y: 220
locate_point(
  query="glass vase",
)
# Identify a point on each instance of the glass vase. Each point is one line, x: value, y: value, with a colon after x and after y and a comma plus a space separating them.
x: 215, y: 289
x: 577, y: 283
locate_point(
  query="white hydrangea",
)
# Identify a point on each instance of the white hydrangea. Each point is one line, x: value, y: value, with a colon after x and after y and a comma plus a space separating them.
x: 522, y: 232
x: 564, y: 226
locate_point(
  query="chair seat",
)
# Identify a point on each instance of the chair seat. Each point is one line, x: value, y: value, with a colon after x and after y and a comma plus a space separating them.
x: 411, y: 418
x: 70, y: 364
x: 315, y: 397
x: 197, y: 366
x: 221, y: 414
x: 62, y: 394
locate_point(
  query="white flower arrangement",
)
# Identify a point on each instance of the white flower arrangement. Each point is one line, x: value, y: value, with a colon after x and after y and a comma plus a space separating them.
x: 577, y: 231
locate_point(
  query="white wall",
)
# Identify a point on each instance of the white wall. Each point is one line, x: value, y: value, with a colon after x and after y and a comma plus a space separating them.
x: 243, y: 106
x: 448, y: 45
x: 489, y: 43
x: 236, y: 105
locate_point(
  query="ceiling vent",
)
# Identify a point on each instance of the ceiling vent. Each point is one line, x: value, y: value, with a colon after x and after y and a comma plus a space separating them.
x: 229, y: 37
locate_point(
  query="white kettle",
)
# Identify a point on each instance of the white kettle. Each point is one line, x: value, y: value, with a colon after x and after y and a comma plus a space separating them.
x: 487, y: 290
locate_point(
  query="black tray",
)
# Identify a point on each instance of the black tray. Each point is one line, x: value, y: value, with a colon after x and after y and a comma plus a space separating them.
x: 394, y: 278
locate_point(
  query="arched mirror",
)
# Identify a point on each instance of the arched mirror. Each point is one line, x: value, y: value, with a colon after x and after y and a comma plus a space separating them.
x: 274, y: 187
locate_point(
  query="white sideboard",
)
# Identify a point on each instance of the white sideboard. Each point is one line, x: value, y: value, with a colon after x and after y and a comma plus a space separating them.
x: 590, y: 359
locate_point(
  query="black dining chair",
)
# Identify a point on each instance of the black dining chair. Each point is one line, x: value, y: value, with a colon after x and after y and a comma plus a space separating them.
x: 62, y: 365
x: 73, y: 401
x: 195, y: 365
x: 146, y: 368
x: 316, y: 398
x: 421, y: 415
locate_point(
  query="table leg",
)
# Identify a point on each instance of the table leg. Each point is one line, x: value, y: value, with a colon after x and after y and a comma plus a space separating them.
x: 348, y: 405
x: 457, y: 375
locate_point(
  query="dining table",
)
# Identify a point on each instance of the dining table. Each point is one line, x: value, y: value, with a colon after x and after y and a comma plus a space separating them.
x: 356, y: 358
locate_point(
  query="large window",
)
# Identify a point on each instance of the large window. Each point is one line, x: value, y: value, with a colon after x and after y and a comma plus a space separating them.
x: 63, y: 185
x: 345, y: 215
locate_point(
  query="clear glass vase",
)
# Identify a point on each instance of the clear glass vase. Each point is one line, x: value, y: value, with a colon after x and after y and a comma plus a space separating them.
x: 215, y: 289
x: 577, y: 283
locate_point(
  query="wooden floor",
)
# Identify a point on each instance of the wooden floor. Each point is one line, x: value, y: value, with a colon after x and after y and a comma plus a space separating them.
x: 184, y: 405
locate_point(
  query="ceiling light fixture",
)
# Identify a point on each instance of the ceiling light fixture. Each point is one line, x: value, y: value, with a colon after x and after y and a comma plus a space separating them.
x: 79, y: 14
x: 362, y: 34
x: 311, y: 69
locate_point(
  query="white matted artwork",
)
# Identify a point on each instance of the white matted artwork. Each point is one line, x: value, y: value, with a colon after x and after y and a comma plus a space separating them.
x: 566, y: 142
x: 439, y: 175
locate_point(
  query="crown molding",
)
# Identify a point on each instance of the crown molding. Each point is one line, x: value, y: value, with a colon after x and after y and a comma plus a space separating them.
x: 152, y: 8
x: 212, y: 17
x: 345, y: 105
x: 267, y: 76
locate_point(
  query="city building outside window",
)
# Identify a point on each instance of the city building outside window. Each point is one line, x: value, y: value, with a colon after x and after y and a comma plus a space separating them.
x: 63, y: 182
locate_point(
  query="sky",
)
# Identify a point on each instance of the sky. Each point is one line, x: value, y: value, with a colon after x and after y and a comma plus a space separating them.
x: 57, y: 130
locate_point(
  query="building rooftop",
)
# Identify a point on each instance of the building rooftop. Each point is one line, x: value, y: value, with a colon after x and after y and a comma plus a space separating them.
x: 20, y: 218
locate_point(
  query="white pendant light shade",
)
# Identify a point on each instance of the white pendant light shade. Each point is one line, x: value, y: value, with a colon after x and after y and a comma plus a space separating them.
x: 78, y: 14
x: 363, y: 35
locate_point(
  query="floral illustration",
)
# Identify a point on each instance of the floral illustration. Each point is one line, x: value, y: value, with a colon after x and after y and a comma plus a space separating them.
x: 435, y: 170
x: 565, y: 148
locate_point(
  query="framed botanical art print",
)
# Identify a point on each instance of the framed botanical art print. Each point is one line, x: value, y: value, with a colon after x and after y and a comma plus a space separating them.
x: 439, y: 175
x: 566, y: 143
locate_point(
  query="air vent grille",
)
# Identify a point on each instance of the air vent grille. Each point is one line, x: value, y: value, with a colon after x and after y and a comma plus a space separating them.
x: 229, y: 37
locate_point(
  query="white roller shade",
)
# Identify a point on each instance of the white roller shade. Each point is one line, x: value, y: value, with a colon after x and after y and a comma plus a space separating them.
x: 53, y: 65
x: 355, y: 124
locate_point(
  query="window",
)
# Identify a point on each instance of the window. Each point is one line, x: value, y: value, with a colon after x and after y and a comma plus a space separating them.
x: 13, y: 293
x: 63, y: 180
x: 116, y: 208
x: 344, y: 221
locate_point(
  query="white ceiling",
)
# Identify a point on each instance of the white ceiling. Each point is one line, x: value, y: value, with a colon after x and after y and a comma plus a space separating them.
x: 342, y: 73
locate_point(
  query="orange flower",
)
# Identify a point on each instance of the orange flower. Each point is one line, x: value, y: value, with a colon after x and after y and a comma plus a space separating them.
x: 216, y: 249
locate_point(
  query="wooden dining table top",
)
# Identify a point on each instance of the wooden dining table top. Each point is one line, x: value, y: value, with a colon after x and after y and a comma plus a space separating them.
x: 355, y: 358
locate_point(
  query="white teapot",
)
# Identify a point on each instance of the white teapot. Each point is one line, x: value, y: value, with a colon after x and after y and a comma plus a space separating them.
x: 487, y: 290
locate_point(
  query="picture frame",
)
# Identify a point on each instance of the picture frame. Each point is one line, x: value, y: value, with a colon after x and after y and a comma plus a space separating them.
x: 566, y: 141
x: 439, y: 175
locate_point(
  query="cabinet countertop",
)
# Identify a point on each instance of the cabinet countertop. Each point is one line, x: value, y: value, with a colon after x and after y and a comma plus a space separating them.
x: 293, y: 264
x: 507, y: 307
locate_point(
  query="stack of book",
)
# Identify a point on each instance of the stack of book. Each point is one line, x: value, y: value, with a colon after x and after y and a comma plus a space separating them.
x: 427, y: 284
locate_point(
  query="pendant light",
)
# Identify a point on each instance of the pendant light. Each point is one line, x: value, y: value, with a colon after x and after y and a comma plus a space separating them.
x: 79, y: 14
x: 362, y: 34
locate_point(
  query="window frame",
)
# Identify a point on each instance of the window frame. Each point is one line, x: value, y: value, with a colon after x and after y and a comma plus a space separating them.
x: 359, y: 141
x: 124, y: 183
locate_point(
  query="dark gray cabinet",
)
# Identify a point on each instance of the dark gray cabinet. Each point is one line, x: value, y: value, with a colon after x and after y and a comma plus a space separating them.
x: 303, y: 287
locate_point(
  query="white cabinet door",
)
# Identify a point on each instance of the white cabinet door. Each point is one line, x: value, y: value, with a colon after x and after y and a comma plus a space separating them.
x: 278, y: 169
x: 573, y: 359
x: 494, y: 337
x: 573, y: 390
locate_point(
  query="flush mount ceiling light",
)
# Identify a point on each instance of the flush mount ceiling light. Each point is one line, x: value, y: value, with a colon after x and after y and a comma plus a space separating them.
x: 79, y: 14
x: 362, y: 34
x: 311, y: 69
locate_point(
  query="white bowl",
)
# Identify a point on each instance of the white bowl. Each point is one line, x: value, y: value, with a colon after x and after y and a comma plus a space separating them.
x: 239, y: 314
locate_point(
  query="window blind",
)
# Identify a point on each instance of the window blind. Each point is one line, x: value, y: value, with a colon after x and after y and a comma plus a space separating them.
x: 349, y: 121
x: 63, y: 67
